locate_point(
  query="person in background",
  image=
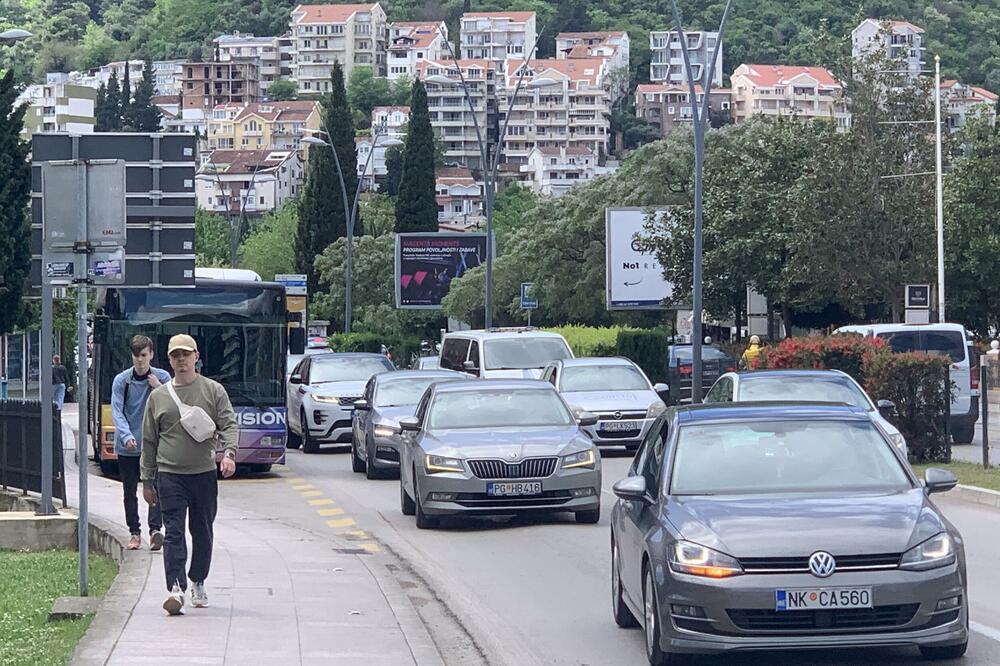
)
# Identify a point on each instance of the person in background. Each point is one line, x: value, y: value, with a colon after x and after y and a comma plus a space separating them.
x: 129, y: 392
x: 752, y: 353
x: 60, y: 378
x: 179, y: 472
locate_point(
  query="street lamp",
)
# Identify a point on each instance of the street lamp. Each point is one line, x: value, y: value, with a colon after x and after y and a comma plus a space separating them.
x: 14, y: 35
x: 488, y: 164
x: 237, y: 231
x: 352, y: 211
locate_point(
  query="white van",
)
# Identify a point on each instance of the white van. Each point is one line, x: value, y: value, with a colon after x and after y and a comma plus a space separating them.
x: 951, y: 340
x: 502, y: 353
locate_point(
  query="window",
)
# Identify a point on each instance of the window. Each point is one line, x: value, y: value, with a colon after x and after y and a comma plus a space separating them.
x: 721, y: 392
x: 603, y: 378
x: 454, y: 353
x: 649, y: 460
x: 498, y: 408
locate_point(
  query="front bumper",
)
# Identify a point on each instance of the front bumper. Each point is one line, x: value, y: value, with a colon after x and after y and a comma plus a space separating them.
x: 739, y: 612
x: 385, y: 453
x: 632, y: 437
x: 329, y: 423
x: 471, y: 498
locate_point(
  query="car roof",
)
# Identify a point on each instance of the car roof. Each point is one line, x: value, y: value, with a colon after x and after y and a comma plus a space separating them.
x: 415, y: 374
x: 749, y: 411
x: 889, y: 328
x: 595, y: 360
x: 495, y: 333
x: 330, y: 356
x: 492, y: 385
x: 790, y: 372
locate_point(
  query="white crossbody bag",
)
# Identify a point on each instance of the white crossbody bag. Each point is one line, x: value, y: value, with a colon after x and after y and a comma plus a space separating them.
x: 195, y: 420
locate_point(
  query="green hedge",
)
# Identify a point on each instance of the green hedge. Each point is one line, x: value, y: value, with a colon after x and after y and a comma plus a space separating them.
x: 590, y: 340
x: 401, y: 348
x: 648, y: 349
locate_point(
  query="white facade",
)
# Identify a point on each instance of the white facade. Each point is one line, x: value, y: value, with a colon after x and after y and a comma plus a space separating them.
x: 58, y: 105
x: 352, y: 35
x: 459, y: 199
x: 961, y: 102
x: 497, y: 35
x: 394, y: 120
x: 553, y: 172
x: 789, y: 91
x: 667, y: 62
x: 614, y: 47
x: 411, y: 42
x: 167, y: 76
x: 899, y: 40
x: 265, y: 51
x: 254, y: 181
x: 449, y: 111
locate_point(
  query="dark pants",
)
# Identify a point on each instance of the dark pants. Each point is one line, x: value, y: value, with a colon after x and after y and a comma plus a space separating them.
x: 128, y: 468
x: 192, y: 497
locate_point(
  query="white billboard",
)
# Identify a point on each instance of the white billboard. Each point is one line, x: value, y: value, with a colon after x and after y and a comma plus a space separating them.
x: 634, y: 277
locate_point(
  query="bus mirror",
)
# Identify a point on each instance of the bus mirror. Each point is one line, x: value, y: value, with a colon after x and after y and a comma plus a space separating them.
x: 296, y: 341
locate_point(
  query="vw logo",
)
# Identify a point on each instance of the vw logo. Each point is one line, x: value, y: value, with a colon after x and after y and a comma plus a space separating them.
x: 617, y: 415
x: 512, y: 455
x: 822, y: 564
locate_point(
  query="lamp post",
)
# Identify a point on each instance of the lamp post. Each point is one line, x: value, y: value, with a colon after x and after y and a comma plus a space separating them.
x: 351, y: 212
x: 14, y: 35
x: 490, y: 163
x: 237, y: 231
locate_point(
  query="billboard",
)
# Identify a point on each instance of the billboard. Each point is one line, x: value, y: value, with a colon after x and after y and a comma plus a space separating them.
x: 426, y: 263
x: 634, y: 277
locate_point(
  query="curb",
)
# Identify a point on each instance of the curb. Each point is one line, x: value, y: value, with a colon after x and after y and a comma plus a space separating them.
x: 977, y: 495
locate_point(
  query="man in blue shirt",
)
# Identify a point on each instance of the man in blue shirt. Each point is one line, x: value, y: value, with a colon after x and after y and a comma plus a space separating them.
x: 129, y: 392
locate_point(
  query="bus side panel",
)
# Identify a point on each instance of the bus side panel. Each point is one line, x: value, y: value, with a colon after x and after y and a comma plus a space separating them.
x: 262, y: 435
x: 107, y: 434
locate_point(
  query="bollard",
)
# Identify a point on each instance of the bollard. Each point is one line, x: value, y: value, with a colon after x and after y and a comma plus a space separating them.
x: 984, y: 396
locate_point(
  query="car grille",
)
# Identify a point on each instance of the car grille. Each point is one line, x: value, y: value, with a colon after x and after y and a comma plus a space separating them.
x: 768, y: 565
x: 625, y: 416
x: 826, y: 621
x: 532, y: 468
x: 621, y: 434
x: 348, y: 401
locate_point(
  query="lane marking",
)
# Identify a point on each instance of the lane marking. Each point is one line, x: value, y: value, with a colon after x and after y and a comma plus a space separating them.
x: 307, y: 486
x: 311, y: 493
x: 370, y: 547
x: 989, y: 632
x: 340, y: 522
x: 330, y: 512
x: 321, y: 502
x: 354, y: 534
x: 296, y: 479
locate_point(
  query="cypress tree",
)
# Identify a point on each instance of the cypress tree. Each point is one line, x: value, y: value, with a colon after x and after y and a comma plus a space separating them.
x: 393, y: 170
x: 113, y: 105
x: 416, y: 207
x: 322, y: 218
x: 15, y: 190
x: 101, y: 109
x: 125, y: 112
x: 145, y: 115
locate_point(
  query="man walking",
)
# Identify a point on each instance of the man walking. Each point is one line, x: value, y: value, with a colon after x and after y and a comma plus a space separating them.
x: 129, y: 392
x: 60, y: 378
x: 183, y: 466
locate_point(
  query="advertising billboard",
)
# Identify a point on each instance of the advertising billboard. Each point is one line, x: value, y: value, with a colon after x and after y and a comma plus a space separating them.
x: 426, y: 263
x: 634, y: 277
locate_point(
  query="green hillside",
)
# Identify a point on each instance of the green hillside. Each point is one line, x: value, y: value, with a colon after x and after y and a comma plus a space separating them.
x: 73, y: 35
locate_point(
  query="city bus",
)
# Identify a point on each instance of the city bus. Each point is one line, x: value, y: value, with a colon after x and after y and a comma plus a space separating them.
x: 240, y: 327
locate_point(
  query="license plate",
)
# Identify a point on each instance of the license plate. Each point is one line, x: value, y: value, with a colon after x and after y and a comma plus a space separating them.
x: 829, y: 597
x: 618, y: 426
x: 514, y: 488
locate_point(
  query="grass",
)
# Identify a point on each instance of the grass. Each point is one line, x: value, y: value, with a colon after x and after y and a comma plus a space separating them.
x: 29, y: 584
x: 969, y: 474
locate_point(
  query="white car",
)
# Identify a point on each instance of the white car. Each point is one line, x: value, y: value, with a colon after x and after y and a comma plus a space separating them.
x: 322, y: 390
x: 502, y: 353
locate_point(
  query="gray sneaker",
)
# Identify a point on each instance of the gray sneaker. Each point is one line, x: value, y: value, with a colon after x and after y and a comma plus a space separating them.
x: 199, y: 599
x: 174, y: 604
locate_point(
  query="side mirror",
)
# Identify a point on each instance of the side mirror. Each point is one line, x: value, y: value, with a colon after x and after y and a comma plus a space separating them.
x: 295, y: 379
x: 586, y: 419
x: 470, y: 366
x: 886, y: 408
x: 296, y: 340
x: 660, y: 387
x: 362, y: 405
x: 631, y: 489
x: 409, y: 424
x: 937, y: 480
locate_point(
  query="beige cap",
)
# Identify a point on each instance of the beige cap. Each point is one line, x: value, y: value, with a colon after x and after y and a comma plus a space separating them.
x: 754, y: 340
x: 182, y: 341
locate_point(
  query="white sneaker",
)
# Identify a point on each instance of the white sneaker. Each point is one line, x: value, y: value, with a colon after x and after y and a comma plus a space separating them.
x: 174, y: 603
x: 199, y: 599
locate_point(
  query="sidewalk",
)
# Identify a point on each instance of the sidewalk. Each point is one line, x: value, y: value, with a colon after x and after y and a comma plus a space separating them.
x: 278, y: 594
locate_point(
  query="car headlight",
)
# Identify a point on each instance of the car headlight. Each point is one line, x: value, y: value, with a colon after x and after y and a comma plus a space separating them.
x: 582, y: 459
x: 898, y: 441
x: 386, y: 431
x: 938, y: 551
x: 697, y: 560
x: 656, y: 409
x: 326, y: 398
x: 441, y: 464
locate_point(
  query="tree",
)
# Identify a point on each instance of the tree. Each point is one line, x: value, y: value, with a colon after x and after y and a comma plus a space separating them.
x: 211, y: 239
x: 15, y: 192
x: 268, y: 250
x: 125, y: 111
x: 379, y: 212
x: 97, y: 48
x: 399, y: 91
x: 416, y: 206
x: 144, y: 115
x: 393, y: 170
x: 322, y: 214
x: 511, y: 211
x: 283, y: 90
x: 101, y: 109
x: 366, y: 91
x: 113, y: 105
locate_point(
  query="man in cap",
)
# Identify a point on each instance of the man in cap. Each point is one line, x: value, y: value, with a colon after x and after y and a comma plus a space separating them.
x: 184, y: 469
x: 752, y: 353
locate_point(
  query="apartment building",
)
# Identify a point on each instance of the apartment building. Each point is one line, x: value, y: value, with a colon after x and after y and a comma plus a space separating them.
x: 667, y: 58
x: 265, y: 51
x: 666, y: 106
x: 497, y: 36
x: 262, y: 125
x: 961, y: 101
x: 206, y: 85
x: 58, y: 105
x: 571, y: 108
x: 167, y: 75
x: 459, y: 200
x: 352, y: 35
x: 784, y: 90
x: 449, y: 111
x: 899, y: 40
x: 614, y: 47
x: 250, y: 181
x: 411, y: 42
x: 553, y: 171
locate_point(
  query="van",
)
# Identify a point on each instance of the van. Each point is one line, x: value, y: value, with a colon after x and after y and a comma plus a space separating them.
x: 951, y: 340
x: 502, y: 353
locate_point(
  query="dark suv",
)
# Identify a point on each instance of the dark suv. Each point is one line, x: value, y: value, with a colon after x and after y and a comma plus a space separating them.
x: 680, y: 367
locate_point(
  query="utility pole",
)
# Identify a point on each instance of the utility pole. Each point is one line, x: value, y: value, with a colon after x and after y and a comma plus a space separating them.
x: 940, y: 188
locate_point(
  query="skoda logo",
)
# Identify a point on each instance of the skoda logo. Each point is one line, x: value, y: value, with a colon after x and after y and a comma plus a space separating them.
x: 513, y: 456
x: 822, y: 564
x: 617, y: 415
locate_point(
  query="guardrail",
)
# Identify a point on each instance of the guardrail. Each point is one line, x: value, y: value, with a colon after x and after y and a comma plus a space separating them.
x: 21, y: 451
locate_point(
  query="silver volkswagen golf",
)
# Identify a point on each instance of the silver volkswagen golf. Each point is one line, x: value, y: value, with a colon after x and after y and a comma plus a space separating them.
x: 783, y: 526
x: 497, y: 447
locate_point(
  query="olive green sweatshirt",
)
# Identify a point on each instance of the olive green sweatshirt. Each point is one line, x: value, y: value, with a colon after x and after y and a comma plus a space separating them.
x: 167, y: 447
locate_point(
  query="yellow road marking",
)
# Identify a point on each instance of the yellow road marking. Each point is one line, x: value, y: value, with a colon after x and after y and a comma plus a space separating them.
x: 370, y: 547
x: 295, y: 479
x: 354, y: 534
x: 321, y: 502
x: 311, y: 493
x: 340, y: 522
x: 330, y: 512
x: 307, y: 486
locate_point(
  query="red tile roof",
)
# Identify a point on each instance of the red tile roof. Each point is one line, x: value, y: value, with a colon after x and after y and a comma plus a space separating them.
x: 329, y: 13
x: 248, y: 161
x: 577, y: 69
x: 271, y: 111
x: 514, y: 16
x: 590, y: 35
x: 772, y: 75
x: 460, y: 173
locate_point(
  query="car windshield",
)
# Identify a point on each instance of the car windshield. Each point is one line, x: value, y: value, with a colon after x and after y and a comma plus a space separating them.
x: 399, y: 392
x: 291, y: 363
x: 812, y: 389
x: 524, y: 353
x: 498, y: 409
x: 346, y: 369
x: 603, y: 378
x: 783, y: 457
x: 686, y: 355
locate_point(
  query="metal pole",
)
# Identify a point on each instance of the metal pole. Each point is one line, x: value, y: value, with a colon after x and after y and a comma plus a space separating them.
x: 45, y: 508
x: 940, y: 189
x: 348, y: 277
x: 82, y: 259
x: 984, y: 390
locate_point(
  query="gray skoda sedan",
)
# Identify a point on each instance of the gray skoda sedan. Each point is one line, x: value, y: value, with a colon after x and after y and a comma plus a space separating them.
x: 388, y: 397
x: 497, y: 447
x: 783, y: 526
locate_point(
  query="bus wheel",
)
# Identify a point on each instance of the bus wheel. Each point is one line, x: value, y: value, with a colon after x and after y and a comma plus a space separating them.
x: 260, y: 468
